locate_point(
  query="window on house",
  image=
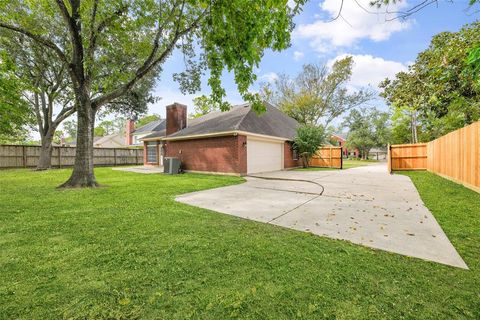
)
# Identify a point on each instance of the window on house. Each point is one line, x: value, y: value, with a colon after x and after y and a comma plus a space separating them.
x: 294, y: 154
x: 152, y: 152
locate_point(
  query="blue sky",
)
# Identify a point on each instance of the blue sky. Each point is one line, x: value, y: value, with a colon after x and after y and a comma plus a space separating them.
x: 380, y: 48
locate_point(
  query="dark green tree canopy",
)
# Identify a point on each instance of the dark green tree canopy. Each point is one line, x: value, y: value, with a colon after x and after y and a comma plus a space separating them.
x: 440, y: 91
x: 108, y: 47
x: 231, y: 36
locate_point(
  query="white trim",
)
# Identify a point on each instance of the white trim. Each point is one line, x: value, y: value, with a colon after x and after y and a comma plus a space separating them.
x: 224, y: 133
x: 151, y: 139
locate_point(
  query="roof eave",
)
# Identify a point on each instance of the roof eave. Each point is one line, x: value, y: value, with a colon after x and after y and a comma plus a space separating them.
x: 152, y: 139
x: 226, y: 133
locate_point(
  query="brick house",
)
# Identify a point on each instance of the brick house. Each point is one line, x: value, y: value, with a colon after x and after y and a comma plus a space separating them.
x: 342, y: 140
x: 237, y: 141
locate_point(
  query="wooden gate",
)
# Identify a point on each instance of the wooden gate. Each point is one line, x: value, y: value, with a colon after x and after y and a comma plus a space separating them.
x: 328, y: 157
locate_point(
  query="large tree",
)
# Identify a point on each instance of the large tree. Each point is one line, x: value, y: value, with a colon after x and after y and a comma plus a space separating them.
x: 318, y: 94
x: 48, y: 92
x: 45, y: 88
x: 440, y: 92
x: 141, y: 34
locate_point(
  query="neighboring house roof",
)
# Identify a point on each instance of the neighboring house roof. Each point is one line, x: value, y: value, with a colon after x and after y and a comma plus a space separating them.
x: 342, y: 136
x: 153, y: 126
x: 73, y: 143
x: 239, y: 118
x: 115, y: 140
x: 157, y: 134
x: 378, y: 150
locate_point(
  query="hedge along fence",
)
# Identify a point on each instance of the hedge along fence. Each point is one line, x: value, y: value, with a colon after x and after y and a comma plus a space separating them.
x: 455, y: 156
x: 328, y: 157
x: 25, y: 156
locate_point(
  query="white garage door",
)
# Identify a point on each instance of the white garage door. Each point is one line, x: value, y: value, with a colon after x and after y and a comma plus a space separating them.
x: 264, y: 156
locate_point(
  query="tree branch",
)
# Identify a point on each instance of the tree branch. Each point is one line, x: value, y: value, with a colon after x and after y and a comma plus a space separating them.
x: 40, y: 40
x: 146, y: 67
x: 101, y: 26
x: 65, y: 113
x: 74, y: 28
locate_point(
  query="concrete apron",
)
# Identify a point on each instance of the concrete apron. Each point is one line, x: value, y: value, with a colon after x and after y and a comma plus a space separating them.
x: 141, y: 169
x: 364, y: 205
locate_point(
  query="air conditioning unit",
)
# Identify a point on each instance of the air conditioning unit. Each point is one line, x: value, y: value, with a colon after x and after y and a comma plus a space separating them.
x: 171, y: 165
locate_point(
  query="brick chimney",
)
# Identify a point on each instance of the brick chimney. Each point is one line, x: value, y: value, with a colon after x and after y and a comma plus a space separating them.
x: 129, y: 128
x: 176, y: 118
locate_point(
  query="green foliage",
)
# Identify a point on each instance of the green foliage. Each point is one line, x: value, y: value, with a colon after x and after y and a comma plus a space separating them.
x: 440, y: 92
x: 99, y: 132
x: 119, y: 37
x: 70, y: 128
x: 317, y: 95
x: 368, y: 128
x: 473, y: 60
x: 307, y: 141
x: 204, y: 105
x: 105, y: 128
x: 14, y: 111
x: 146, y: 120
x: 57, y: 136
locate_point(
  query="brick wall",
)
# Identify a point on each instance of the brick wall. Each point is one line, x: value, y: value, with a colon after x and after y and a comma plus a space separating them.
x: 176, y: 118
x: 289, y: 162
x: 218, y: 154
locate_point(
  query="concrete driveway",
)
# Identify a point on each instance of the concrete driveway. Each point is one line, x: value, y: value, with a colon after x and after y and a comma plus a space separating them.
x: 364, y: 205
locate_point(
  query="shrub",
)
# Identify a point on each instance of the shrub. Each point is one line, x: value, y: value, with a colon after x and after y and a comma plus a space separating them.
x: 307, y: 141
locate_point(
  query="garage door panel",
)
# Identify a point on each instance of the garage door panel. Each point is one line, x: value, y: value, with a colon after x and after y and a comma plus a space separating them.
x: 264, y: 156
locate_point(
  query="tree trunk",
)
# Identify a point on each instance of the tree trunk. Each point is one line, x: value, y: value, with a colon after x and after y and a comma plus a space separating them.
x: 45, y: 159
x: 83, y: 175
x: 414, y: 127
x: 305, y: 160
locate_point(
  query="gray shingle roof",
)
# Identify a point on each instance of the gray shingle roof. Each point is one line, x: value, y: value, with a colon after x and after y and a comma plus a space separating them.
x: 153, y: 126
x: 240, y: 118
x: 156, y: 134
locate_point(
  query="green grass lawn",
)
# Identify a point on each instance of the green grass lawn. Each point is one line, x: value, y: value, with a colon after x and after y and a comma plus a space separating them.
x: 128, y: 251
x: 347, y: 164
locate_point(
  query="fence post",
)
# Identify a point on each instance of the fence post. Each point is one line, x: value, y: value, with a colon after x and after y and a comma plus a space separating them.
x: 389, y: 158
x: 59, y: 157
x: 24, y: 156
x: 341, y: 158
x: 114, y: 156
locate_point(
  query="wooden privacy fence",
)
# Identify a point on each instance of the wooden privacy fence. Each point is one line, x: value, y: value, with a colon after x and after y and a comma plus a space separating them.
x: 329, y: 157
x: 24, y: 156
x: 455, y: 156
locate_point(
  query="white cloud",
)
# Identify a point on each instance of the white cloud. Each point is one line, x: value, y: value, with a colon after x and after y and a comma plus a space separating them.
x: 370, y: 70
x: 269, y: 77
x: 354, y: 24
x: 298, y: 55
